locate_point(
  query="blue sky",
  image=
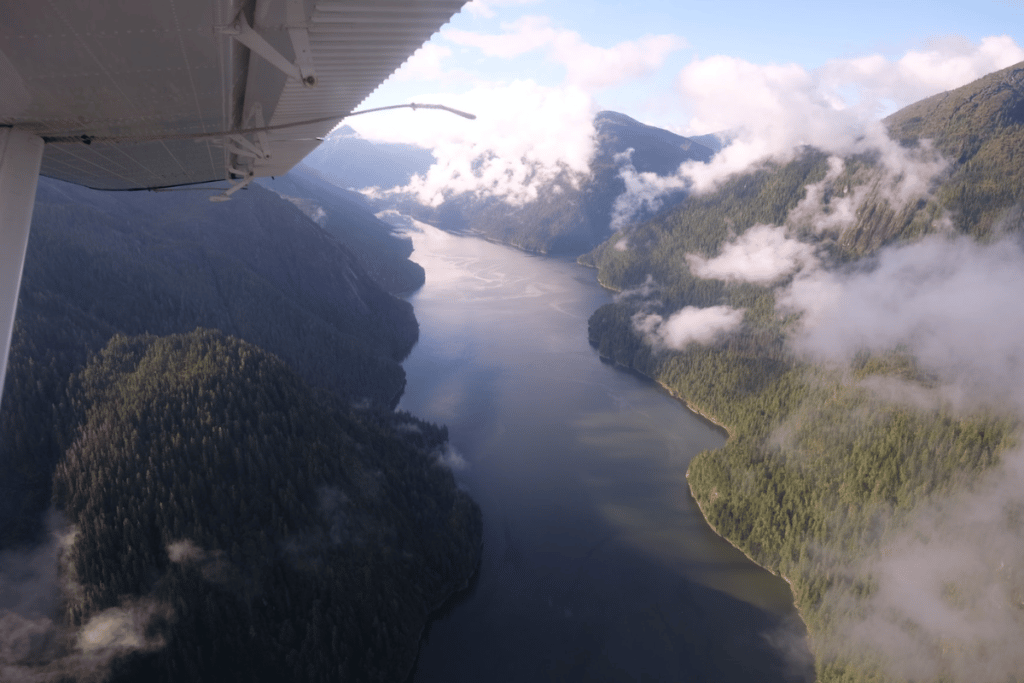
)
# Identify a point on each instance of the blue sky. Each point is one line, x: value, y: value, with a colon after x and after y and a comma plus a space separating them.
x: 787, y: 74
x: 809, y: 34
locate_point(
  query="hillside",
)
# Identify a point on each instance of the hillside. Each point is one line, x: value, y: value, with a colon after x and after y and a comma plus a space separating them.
x: 259, y: 456
x: 345, y: 215
x: 572, y: 214
x: 791, y: 304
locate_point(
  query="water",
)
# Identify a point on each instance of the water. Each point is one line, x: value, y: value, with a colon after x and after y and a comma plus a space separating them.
x: 597, y: 565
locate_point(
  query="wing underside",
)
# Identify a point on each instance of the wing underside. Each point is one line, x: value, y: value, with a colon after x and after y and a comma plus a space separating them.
x: 134, y: 95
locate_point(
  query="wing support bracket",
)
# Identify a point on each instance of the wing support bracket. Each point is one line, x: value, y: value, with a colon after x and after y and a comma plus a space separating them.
x: 301, y: 70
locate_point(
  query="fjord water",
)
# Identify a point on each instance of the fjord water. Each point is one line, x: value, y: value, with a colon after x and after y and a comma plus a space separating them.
x: 597, y: 564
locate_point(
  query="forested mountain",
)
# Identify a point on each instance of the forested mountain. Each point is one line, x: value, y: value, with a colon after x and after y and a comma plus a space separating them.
x: 571, y: 214
x: 239, y: 480
x: 346, y: 215
x: 840, y: 467
x: 256, y: 530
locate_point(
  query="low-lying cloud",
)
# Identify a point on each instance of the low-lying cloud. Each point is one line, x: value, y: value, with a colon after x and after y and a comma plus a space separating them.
x: 35, y: 645
x: 689, y: 324
x: 525, y: 136
x: 955, y: 303
x: 643, y: 193
x: 761, y: 254
x: 773, y: 110
x: 949, y: 589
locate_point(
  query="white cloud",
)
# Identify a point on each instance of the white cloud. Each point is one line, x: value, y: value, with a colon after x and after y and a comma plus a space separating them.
x: 593, y: 67
x: 517, y: 38
x: 485, y: 8
x: 948, y: 63
x: 643, y: 191
x: 689, y: 324
x: 954, y: 303
x: 524, y: 135
x: 587, y: 66
x: 948, y: 590
x: 425, y: 64
x: 450, y: 458
x: 776, y: 108
x: 761, y: 254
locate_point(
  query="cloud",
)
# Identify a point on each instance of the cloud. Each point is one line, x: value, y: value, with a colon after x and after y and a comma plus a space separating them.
x: 949, y: 62
x: 525, y: 135
x: 689, y: 324
x: 127, y: 627
x: 425, y: 64
x: 949, y: 582
x: 35, y: 645
x: 587, y: 66
x: 451, y: 458
x: 643, y: 192
x: 485, y: 8
x: 949, y: 590
x: 777, y: 108
x: 761, y: 254
x: 953, y: 302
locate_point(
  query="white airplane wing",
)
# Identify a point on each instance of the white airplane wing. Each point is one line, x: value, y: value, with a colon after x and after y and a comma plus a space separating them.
x: 135, y: 94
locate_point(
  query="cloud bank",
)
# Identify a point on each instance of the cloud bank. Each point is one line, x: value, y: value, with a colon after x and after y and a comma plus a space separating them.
x: 525, y: 135
x: 689, y: 324
x: 761, y: 254
x: 955, y: 303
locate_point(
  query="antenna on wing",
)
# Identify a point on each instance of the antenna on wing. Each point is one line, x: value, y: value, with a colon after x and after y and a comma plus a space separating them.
x: 89, y: 139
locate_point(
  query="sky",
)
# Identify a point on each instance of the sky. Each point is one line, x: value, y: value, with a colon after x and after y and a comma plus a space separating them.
x: 535, y: 72
x: 642, y: 59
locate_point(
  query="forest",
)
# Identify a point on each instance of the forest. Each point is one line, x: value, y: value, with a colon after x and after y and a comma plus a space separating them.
x: 822, y: 470
x: 206, y: 393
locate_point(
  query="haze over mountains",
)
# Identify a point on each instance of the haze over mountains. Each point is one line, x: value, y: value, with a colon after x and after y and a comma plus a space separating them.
x: 564, y: 212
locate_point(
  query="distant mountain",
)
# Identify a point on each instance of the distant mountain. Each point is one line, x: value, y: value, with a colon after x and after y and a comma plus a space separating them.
x: 571, y: 214
x: 818, y: 469
x: 350, y: 161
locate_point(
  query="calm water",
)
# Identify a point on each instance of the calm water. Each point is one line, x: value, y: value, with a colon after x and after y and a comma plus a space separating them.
x: 597, y: 565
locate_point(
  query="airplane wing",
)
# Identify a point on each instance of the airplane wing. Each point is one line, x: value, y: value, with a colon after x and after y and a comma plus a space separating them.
x: 136, y: 94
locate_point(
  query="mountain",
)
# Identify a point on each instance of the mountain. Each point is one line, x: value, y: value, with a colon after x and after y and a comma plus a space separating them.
x: 102, y: 263
x: 572, y: 214
x: 235, y: 525
x: 205, y: 392
x: 837, y: 466
x: 349, y: 161
x: 977, y: 128
x: 346, y: 215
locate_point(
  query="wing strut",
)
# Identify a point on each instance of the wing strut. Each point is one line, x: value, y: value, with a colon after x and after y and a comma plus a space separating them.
x: 21, y: 155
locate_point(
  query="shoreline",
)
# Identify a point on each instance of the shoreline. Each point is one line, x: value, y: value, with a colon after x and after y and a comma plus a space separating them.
x: 704, y: 416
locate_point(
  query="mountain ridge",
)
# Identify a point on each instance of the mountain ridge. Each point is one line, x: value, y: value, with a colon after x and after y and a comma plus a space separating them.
x: 821, y: 471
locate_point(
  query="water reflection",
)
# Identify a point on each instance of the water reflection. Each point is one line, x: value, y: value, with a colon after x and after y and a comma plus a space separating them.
x: 597, y: 565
